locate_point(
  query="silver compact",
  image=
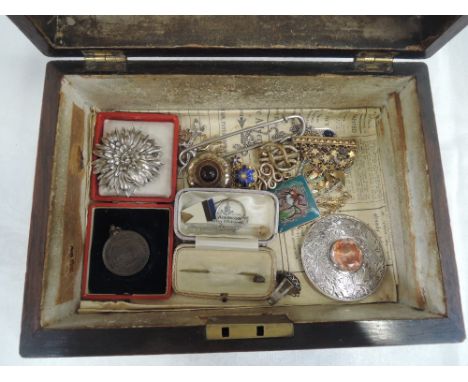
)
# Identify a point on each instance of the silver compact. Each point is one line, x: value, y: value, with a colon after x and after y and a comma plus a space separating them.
x: 343, y: 258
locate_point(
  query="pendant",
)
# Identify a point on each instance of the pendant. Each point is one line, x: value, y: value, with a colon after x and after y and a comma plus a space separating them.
x: 125, y: 253
x: 244, y: 176
x: 296, y: 203
x: 288, y: 284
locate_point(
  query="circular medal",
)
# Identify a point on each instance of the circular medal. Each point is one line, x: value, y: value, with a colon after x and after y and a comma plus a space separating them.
x: 125, y: 253
x: 343, y: 258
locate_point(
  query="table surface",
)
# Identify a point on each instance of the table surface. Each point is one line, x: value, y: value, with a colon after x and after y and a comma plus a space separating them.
x: 22, y: 70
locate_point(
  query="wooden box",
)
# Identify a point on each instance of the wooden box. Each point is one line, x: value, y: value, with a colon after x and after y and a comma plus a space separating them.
x: 423, y: 302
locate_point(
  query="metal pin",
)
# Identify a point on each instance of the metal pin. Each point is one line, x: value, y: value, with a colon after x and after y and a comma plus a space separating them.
x: 257, y: 278
x: 190, y: 152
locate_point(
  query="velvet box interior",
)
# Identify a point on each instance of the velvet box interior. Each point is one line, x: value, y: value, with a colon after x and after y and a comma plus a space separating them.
x: 153, y: 281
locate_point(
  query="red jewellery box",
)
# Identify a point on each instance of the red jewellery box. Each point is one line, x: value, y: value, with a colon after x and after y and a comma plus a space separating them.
x: 124, y: 224
x: 161, y: 127
x: 154, y: 224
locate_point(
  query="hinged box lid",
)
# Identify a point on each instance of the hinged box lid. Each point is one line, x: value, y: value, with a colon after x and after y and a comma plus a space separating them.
x: 231, y: 229
x: 330, y: 36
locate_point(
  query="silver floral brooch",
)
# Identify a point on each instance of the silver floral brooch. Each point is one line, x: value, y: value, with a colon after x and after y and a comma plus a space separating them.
x: 127, y: 160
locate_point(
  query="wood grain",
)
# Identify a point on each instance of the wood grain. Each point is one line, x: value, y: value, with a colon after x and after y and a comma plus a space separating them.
x: 329, y: 36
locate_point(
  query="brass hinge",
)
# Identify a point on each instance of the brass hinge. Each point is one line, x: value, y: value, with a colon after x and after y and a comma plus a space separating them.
x: 106, y: 56
x: 374, y: 62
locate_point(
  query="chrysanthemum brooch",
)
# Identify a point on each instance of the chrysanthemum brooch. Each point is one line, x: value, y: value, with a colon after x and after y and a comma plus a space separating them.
x: 127, y: 160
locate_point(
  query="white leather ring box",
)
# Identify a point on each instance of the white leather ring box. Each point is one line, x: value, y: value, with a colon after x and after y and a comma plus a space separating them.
x: 225, y: 262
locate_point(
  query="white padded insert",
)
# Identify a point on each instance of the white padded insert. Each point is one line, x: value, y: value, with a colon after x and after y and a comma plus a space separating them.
x: 260, y: 207
x: 227, y: 271
x: 163, y: 134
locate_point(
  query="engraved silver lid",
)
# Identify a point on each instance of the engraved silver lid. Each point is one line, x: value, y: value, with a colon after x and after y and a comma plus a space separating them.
x: 343, y: 258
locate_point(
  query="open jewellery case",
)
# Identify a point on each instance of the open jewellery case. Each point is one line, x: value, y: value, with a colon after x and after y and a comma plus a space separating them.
x: 419, y: 301
x: 224, y: 264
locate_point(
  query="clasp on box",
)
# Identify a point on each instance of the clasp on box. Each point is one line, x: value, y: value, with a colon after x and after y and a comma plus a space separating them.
x: 374, y: 62
x: 248, y: 327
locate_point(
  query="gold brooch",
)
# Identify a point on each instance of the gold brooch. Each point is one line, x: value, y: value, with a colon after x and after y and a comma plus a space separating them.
x: 209, y: 170
x: 325, y: 159
x: 284, y: 158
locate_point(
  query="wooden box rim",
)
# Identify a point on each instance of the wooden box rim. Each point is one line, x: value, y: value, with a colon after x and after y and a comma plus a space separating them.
x: 37, y: 341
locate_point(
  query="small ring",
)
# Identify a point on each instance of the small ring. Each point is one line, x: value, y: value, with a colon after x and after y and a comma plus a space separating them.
x: 268, y: 172
x: 225, y: 202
